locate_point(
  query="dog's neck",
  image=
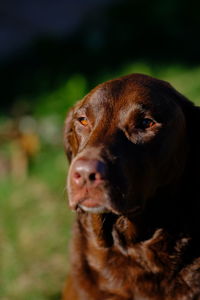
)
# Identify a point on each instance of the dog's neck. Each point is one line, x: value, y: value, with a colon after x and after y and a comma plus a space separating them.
x: 109, y: 232
x: 109, y: 229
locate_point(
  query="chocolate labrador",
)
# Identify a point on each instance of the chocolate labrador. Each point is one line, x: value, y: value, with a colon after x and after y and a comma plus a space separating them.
x: 133, y: 144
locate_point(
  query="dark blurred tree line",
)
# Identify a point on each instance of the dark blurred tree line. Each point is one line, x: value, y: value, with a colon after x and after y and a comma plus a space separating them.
x: 156, y: 31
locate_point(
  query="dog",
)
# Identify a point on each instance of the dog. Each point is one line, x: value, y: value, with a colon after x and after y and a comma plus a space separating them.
x: 133, y: 144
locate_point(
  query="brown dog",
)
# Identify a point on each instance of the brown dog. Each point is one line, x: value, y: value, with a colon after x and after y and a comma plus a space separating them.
x: 133, y: 144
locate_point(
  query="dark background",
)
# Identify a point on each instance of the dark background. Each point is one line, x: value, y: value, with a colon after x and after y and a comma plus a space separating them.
x: 51, y: 54
x: 43, y: 43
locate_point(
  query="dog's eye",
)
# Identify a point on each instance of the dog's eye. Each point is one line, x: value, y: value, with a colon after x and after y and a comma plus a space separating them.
x: 147, y: 123
x: 83, y: 121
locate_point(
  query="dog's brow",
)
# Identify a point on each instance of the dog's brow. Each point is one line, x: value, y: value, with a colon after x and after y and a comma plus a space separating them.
x: 131, y: 108
x: 80, y: 111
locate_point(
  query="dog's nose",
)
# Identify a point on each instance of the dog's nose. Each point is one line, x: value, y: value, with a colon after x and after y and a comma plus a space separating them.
x: 90, y: 172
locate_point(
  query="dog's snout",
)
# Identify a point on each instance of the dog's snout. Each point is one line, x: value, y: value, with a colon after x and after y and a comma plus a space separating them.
x: 90, y: 172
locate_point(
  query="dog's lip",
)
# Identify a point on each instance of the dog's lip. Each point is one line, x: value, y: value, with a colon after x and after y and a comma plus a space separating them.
x: 92, y: 205
x: 95, y: 209
x: 89, y: 202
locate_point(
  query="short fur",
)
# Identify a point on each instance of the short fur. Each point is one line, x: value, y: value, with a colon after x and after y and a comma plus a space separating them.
x: 146, y: 243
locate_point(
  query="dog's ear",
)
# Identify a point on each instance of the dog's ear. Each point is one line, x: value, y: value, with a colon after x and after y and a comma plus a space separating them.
x: 68, y: 134
x: 190, y: 188
x: 190, y: 110
x: 192, y: 117
x: 70, y: 139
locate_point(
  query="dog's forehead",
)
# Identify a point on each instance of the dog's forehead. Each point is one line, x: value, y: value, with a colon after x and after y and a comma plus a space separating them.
x: 122, y: 94
x: 117, y: 93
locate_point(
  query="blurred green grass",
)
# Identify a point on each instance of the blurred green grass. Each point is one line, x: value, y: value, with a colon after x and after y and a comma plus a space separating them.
x: 34, y: 219
x: 35, y: 223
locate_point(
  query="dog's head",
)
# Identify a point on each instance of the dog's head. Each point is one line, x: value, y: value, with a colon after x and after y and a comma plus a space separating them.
x: 125, y: 140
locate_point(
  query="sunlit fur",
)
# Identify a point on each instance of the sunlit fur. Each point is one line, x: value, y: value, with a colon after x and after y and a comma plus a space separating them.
x: 141, y: 241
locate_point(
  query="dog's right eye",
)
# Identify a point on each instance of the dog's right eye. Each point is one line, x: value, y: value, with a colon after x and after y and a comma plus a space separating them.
x: 147, y: 123
x: 83, y: 121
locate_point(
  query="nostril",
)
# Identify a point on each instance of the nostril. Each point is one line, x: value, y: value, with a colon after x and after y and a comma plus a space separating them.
x: 77, y: 175
x: 78, y: 178
x: 95, y: 177
x: 92, y: 177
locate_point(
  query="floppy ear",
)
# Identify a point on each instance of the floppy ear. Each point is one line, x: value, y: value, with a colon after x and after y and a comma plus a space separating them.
x: 190, y: 188
x: 192, y: 117
x: 68, y: 134
x: 190, y: 111
x: 70, y: 139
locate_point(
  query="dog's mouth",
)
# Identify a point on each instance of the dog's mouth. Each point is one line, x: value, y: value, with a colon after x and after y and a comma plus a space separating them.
x: 95, y: 209
x: 101, y: 200
x: 92, y: 206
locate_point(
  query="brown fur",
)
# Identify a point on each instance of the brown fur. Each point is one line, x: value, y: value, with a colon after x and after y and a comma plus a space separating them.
x: 145, y: 245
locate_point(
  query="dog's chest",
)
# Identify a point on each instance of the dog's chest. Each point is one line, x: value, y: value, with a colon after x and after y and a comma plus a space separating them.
x: 123, y: 275
x: 143, y: 273
x: 153, y: 269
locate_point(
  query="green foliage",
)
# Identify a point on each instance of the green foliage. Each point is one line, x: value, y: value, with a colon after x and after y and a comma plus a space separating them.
x: 62, y: 98
x: 35, y: 223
